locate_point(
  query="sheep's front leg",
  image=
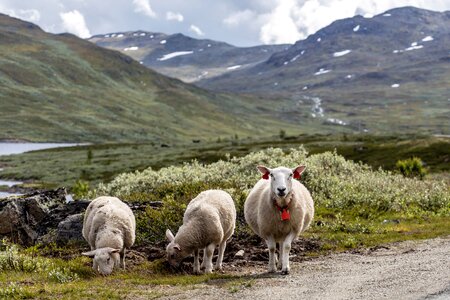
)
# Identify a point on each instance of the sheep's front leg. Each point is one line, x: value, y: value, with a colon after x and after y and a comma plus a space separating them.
x: 196, y: 261
x: 95, y: 266
x: 209, y: 250
x: 286, y: 245
x: 280, y: 261
x: 222, y: 247
x: 122, y: 258
x: 204, y: 259
x: 116, y: 258
x: 271, y: 244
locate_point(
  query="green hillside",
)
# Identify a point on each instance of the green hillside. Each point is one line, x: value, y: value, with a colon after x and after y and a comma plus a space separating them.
x: 62, y: 88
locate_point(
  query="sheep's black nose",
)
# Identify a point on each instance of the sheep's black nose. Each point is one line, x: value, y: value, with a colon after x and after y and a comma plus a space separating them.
x: 281, y: 190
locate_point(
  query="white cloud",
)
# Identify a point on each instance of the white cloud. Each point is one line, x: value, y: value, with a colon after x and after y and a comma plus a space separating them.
x: 239, y: 17
x: 30, y: 15
x: 73, y: 22
x: 291, y: 20
x: 143, y: 6
x: 173, y: 16
x: 281, y: 26
x: 196, y: 30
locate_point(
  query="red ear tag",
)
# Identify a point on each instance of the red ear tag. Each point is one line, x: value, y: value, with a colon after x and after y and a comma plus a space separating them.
x: 266, y: 175
x: 285, y: 215
x: 297, y: 175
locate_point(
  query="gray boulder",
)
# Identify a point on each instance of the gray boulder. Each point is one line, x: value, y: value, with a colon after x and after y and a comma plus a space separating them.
x: 35, y: 217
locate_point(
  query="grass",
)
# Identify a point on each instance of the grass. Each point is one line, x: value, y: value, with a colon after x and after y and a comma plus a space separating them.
x: 62, y: 88
x: 64, y: 166
x: 146, y: 281
x: 356, y: 208
x: 341, y: 230
x: 138, y: 282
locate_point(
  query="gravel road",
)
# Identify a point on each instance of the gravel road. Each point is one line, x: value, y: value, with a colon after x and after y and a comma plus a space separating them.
x: 404, y: 270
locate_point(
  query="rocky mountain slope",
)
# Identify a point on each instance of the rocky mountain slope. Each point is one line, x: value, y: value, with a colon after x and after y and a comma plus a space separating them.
x: 183, y: 57
x: 62, y: 88
x: 389, y: 72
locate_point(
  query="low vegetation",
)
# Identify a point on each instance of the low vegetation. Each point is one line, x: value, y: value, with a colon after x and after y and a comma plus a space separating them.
x: 357, y: 206
x: 339, y: 187
x: 101, y: 163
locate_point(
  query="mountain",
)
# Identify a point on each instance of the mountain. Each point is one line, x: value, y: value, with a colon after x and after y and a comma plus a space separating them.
x: 389, y: 72
x: 183, y: 57
x: 62, y: 88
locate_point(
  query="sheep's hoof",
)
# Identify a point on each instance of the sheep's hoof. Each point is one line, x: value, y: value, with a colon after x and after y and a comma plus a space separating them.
x: 285, y: 272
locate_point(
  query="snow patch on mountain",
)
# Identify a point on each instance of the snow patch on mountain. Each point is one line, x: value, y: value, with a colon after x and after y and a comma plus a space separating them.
x: 174, y: 54
x: 415, y: 47
x: 341, y: 53
x: 234, y: 67
x: 322, y: 71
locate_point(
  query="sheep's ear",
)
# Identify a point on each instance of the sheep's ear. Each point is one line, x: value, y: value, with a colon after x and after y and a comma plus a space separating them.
x: 169, y: 235
x: 112, y: 250
x: 177, y: 246
x: 90, y: 253
x: 265, y: 171
x: 298, y: 171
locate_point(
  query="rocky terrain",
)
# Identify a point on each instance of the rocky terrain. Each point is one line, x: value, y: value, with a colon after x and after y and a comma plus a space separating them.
x: 184, y: 57
x: 403, y: 46
x: 390, y: 72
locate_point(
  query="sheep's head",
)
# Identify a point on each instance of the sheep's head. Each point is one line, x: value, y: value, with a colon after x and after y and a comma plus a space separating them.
x: 104, y: 259
x: 281, y: 181
x: 174, y: 252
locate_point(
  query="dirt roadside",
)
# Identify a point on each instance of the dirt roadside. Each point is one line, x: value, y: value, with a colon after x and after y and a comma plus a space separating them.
x: 404, y: 270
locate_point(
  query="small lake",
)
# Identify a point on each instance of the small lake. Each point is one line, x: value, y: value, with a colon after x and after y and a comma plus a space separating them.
x: 6, y: 194
x: 9, y: 183
x: 16, y: 148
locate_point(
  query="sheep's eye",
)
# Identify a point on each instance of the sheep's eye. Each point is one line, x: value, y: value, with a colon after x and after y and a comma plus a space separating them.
x: 109, y: 258
x: 172, y: 256
x: 290, y: 175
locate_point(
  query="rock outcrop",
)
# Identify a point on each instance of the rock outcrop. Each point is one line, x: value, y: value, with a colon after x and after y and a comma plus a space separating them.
x: 41, y: 217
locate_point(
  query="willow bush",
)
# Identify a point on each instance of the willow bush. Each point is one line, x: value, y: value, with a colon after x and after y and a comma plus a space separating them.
x: 334, y: 182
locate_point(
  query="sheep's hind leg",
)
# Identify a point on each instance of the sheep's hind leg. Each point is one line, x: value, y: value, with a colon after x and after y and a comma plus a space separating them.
x: 202, y: 266
x: 222, y: 247
x: 209, y: 250
x: 286, y: 245
x: 196, y: 261
x: 271, y: 244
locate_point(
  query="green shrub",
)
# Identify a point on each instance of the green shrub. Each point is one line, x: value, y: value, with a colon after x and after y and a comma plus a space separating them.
x: 11, y: 259
x: 335, y: 183
x: 412, y: 167
x: 13, y: 291
x: 80, y: 189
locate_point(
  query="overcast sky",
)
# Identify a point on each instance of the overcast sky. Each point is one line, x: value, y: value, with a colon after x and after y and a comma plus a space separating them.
x: 238, y: 22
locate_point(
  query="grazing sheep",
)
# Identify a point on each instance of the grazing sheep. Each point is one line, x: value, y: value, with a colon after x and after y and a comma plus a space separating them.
x: 109, y: 227
x: 208, y: 221
x: 278, y: 210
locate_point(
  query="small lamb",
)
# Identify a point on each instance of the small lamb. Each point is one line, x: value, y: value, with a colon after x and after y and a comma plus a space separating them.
x: 279, y: 210
x: 208, y: 221
x: 109, y: 227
